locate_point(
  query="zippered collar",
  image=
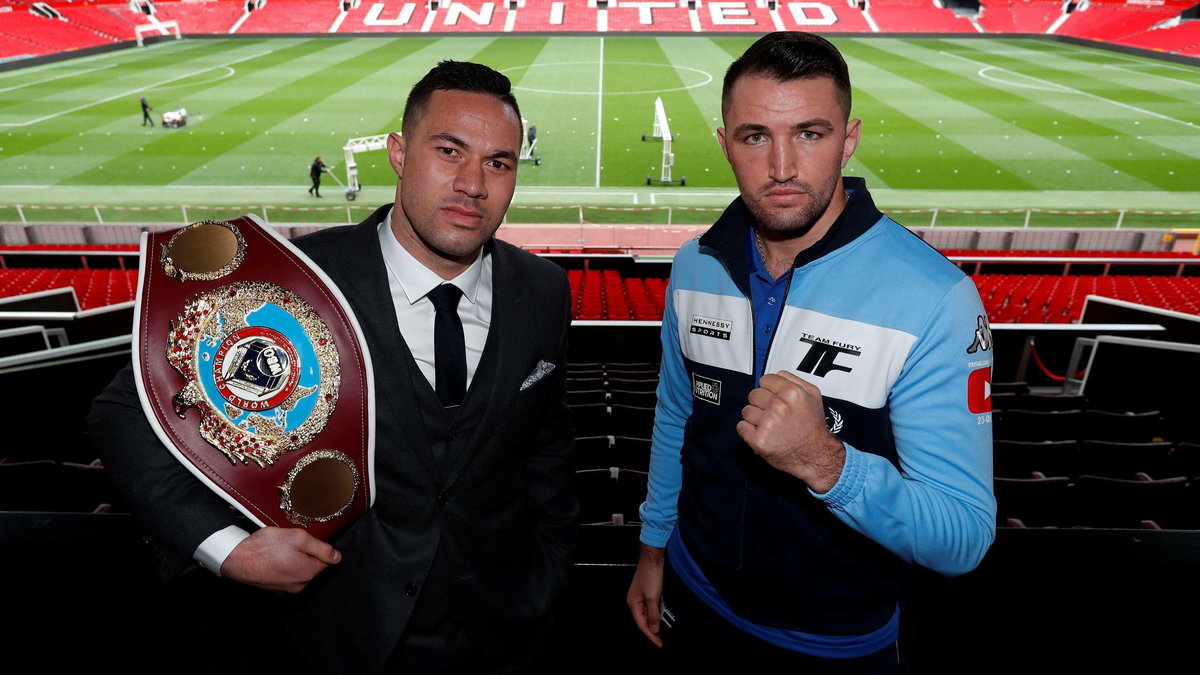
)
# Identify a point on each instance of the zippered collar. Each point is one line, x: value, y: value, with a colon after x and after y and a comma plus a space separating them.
x: 726, y: 238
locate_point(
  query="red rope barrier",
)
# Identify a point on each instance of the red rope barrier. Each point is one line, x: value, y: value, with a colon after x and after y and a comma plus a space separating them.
x: 1046, y: 371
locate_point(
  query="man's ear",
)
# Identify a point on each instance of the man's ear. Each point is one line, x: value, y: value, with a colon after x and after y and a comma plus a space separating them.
x: 853, y: 134
x: 395, y: 148
x: 721, y: 140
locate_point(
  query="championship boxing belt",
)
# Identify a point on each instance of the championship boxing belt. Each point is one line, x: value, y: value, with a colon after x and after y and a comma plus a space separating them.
x: 254, y: 373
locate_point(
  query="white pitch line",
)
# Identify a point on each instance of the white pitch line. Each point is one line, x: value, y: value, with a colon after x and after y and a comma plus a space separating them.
x: 599, y: 110
x: 94, y: 57
x: 57, y: 77
x: 131, y: 91
x: 1131, y: 59
x: 1161, y: 77
x: 1072, y: 90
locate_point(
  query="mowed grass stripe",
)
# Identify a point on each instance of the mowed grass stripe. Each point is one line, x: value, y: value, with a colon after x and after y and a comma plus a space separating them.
x: 1118, y: 79
x: 1040, y: 112
x: 700, y: 153
x: 55, y: 150
x: 557, y: 93
x: 123, y: 71
x: 88, y: 138
x: 1118, y: 135
x: 1103, y: 93
x: 121, y: 115
x: 1099, y: 54
x: 905, y: 152
x: 636, y: 73
x: 177, y: 155
x: 321, y: 109
x: 918, y: 131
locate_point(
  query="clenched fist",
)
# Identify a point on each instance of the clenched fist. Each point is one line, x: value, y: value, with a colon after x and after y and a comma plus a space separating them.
x: 784, y: 423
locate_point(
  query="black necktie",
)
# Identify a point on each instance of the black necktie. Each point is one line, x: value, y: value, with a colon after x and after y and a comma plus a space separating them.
x: 449, y: 347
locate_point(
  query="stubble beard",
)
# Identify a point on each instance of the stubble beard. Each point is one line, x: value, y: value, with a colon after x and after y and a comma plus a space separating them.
x: 445, y: 241
x: 790, y: 223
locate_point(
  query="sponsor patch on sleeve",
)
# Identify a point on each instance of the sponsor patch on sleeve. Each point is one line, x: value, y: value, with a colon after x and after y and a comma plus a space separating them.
x: 979, y: 390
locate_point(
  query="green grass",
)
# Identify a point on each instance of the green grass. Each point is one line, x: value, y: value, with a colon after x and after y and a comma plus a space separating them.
x: 967, y: 124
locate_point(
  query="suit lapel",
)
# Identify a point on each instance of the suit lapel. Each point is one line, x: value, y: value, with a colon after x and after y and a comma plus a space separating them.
x: 498, y: 375
x: 365, y: 279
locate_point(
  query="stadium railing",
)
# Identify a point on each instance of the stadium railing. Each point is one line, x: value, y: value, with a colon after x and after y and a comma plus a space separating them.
x: 581, y: 214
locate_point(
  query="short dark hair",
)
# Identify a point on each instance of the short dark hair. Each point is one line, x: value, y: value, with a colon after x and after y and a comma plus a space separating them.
x: 787, y: 56
x: 456, y: 76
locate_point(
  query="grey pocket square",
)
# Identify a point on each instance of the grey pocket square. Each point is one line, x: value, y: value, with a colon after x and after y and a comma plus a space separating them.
x: 541, y: 370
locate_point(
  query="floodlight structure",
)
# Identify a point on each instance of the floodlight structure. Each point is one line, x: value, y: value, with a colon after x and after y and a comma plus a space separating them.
x: 662, y: 129
x: 528, y: 143
x: 353, y: 147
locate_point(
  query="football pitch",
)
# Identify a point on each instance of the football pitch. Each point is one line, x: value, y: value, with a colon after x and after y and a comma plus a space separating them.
x: 947, y: 123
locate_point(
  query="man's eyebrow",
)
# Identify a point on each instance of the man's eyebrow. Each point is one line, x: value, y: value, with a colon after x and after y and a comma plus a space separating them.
x: 455, y: 140
x: 754, y: 128
x: 815, y: 122
x: 450, y: 138
x: 749, y: 128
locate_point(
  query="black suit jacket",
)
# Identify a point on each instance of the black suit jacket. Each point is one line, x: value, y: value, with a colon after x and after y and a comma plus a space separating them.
x: 503, y: 512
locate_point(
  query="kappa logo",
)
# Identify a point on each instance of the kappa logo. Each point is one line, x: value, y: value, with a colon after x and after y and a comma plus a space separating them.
x: 706, y: 389
x: 983, y: 336
x: 822, y: 355
x: 710, y: 327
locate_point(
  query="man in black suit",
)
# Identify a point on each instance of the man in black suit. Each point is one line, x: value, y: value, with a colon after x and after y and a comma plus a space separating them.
x: 459, y: 563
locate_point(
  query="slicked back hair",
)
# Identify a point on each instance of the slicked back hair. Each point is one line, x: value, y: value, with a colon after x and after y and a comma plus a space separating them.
x: 457, y: 76
x: 787, y: 56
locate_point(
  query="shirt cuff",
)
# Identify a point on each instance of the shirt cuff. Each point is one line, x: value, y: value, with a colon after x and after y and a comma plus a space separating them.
x: 212, y: 552
x: 654, y: 534
x: 850, y: 483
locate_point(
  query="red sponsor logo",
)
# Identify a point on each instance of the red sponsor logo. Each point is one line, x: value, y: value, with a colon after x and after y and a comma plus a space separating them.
x: 979, y: 391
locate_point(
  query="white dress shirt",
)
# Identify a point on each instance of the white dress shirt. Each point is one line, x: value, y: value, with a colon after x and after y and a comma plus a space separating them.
x: 409, y: 283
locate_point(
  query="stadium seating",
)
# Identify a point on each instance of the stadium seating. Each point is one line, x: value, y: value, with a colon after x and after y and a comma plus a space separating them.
x: 1036, y: 298
x: 1183, y: 39
x: 93, y: 288
x: 108, y: 22
x: 111, y: 22
x: 290, y: 16
x: 28, y: 34
x: 607, y: 295
x: 917, y: 16
x: 201, y: 17
x: 1112, y: 22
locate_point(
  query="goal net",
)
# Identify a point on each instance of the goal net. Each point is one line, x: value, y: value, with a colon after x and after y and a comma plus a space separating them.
x: 157, y: 28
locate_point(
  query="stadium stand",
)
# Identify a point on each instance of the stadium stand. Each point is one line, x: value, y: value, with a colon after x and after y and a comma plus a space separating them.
x: 1064, y: 505
x: 999, y: 17
x: 917, y: 16
x: 1112, y: 22
x: 26, y: 33
x: 99, y: 23
x: 201, y: 17
x: 1033, y: 16
x: 650, y: 16
x: 290, y: 16
x: 1059, y: 299
x: 1182, y: 39
x: 106, y: 21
